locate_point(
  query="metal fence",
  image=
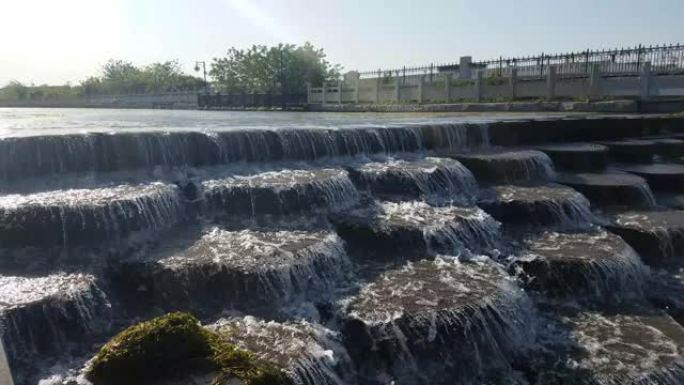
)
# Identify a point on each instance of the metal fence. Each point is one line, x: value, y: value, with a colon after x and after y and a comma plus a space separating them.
x: 665, y: 59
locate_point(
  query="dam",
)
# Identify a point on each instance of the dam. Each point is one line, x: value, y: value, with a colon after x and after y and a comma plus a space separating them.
x: 350, y: 249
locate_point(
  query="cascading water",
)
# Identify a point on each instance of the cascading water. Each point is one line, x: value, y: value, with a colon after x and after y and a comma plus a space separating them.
x: 505, y: 166
x: 436, y: 180
x: 435, y: 322
x: 596, y: 265
x: 657, y: 235
x: 548, y: 206
x: 41, y: 318
x: 310, y: 353
x: 238, y: 269
x: 259, y: 221
x: 278, y: 193
x: 22, y: 157
x: 87, y: 216
x: 409, y: 229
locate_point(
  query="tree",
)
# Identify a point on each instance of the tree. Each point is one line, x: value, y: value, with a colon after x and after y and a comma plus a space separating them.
x: 285, y: 68
x: 14, y: 90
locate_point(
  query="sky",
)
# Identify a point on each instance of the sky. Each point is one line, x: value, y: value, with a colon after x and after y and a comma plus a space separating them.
x: 54, y: 42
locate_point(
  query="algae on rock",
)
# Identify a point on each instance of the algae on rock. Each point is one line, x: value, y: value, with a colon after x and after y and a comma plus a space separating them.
x: 176, y: 345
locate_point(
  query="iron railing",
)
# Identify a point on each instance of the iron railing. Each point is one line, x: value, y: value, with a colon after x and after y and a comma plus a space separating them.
x: 663, y: 59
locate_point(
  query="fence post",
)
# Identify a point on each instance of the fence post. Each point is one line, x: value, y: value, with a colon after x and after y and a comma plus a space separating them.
x: 645, y: 80
x: 339, y: 91
x: 357, y: 85
x: 478, y: 86
x: 421, y: 88
x: 308, y: 93
x: 378, y: 86
x: 447, y: 87
x: 595, y: 80
x: 324, y: 90
x: 513, y: 82
x: 551, y: 82
x: 397, y: 89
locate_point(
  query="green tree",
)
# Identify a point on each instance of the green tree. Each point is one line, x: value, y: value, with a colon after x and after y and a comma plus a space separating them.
x: 283, y: 68
x: 14, y: 90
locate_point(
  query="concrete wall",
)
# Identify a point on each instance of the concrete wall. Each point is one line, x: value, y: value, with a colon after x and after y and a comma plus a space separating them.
x: 433, y: 88
x: 176, y: 100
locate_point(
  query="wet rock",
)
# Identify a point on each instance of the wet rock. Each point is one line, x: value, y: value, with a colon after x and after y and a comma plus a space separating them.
x: 582, y: 266
x: 437, y: 322
x: 632, y: 151
x: 88, y: 216
x: 439, y: 180
x: 47, y: 318
x: 412, y: 229
x: 308, y: 353
x: 279, y: 193
x: 218, y: 269
x: 577, y: 157
x: 533, y: 206
x: 507, y: 166
x: 658, y: 236
x: 661, y: 177
x: 611, y: 189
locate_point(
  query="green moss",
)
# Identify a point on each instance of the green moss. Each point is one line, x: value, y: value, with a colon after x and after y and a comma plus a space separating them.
x: 175, y: 345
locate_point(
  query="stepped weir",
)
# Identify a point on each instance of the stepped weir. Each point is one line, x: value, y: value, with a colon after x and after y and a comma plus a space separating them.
x: 517, y: 251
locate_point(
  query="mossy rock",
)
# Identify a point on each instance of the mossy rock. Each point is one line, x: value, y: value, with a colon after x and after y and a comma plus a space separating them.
x: 173, y: 346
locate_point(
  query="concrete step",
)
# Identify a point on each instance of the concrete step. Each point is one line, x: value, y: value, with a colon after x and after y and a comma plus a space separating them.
x: 658, y: 236
x: 665, y: 177
x: 213, y: 270
x: 632, y: 150
x: 611, y: 189
x: 635, y: 345
x: 278, y: 193
x: 48, y: 318
x: 308, y: 353
x: 438, y: 322
x: 502, y: 166
x: 577, y: 157
x: 591, y: 266
x: 415, y: 229
x: 440, y: 180
x: 69, y: 218
x: 552, y: 205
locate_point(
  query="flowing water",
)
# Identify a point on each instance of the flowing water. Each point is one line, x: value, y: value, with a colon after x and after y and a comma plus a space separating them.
x: 348, y: 249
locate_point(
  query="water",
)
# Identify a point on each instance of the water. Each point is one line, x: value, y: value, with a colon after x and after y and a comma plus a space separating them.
x: 50, y: 121
x: 349, y: 249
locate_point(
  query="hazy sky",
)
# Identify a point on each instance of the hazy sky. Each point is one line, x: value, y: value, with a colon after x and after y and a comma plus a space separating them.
x: 54, y: 41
